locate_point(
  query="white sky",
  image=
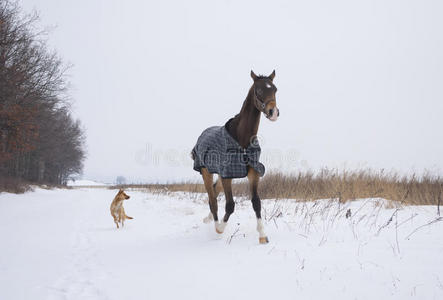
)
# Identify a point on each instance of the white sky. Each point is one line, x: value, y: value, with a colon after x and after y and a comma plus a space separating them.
x: 360, y: 83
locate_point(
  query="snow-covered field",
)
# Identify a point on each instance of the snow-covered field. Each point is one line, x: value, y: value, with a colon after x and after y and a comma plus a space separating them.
x: 63, y: 244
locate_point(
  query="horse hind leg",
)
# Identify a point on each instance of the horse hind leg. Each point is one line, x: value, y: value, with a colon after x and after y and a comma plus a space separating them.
x: 208, y: 181
x: 217, y: 186
x: 230, y: 204
x: 209, y: 218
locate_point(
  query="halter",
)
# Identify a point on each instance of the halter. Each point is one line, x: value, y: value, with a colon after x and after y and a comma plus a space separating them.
x: 261, y: 103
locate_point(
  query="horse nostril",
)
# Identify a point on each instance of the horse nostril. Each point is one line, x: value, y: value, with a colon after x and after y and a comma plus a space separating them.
x: 271, y: 111
x: 278, y: 112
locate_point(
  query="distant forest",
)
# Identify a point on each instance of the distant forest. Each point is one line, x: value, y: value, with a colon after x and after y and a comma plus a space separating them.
x: 40, y: 142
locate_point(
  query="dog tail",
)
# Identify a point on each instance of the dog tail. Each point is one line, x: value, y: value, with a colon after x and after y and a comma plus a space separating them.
x: 128, y: 217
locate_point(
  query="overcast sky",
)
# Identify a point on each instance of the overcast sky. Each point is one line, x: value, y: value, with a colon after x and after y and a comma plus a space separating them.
x: 360, y: 83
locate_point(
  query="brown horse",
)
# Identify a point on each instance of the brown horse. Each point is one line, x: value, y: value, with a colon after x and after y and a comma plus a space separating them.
x: 239, y: 133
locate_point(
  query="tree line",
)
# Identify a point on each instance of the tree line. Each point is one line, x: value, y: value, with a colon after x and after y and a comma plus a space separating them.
x: 40, y: 141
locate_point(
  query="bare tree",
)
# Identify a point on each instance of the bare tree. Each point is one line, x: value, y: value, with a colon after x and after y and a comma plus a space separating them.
x: 120, y: 180
x: 40, y: 141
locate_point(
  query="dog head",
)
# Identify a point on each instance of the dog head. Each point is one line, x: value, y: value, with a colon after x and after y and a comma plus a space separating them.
x: 121, y: 195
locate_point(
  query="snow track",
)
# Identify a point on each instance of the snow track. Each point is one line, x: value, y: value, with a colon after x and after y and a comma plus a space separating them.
x: 85, y: 271
x: 63, y: 244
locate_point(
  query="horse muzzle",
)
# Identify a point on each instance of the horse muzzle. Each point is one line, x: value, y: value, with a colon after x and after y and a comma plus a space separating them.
x: 273, y: 114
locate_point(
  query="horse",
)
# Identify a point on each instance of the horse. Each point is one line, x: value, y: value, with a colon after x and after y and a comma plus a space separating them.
x: 239, y: 136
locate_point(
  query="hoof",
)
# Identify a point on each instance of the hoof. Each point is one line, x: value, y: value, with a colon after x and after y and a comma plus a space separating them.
x: 220, y: 227
x: 263, y: 240
x: 208, y: 219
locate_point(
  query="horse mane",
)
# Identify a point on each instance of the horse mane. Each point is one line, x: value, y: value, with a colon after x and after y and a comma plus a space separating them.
x: 233, y: 123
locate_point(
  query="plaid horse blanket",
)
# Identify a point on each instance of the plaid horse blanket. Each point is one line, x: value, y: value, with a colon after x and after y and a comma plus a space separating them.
x: 217, y: 151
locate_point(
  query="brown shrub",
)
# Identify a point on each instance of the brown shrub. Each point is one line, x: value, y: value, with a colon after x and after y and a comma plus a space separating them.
x: 13, y: 185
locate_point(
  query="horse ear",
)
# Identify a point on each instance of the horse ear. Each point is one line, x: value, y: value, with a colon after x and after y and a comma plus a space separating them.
x: 254, y: 77
x: 272, y: 75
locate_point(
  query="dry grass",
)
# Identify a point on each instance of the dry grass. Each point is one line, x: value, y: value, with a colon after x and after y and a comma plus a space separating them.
x: 13, y: 185
x: 342, y: 185
x: 20, y: 186
x: 191, y: 187
x: 350, y: 185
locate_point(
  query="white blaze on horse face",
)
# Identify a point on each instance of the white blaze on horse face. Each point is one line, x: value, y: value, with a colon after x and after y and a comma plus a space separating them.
x: 274, y: 115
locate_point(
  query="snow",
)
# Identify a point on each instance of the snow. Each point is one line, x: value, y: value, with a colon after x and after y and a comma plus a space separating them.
x: 63, y: 244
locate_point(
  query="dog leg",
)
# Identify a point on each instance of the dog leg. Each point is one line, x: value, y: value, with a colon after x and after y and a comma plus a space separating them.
x: 115, y: 219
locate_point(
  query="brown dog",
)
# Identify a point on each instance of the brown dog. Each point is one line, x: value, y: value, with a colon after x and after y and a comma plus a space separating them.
x: 117, y: 210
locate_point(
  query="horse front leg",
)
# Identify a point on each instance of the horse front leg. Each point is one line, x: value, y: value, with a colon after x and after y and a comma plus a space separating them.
x: 253, y: 178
